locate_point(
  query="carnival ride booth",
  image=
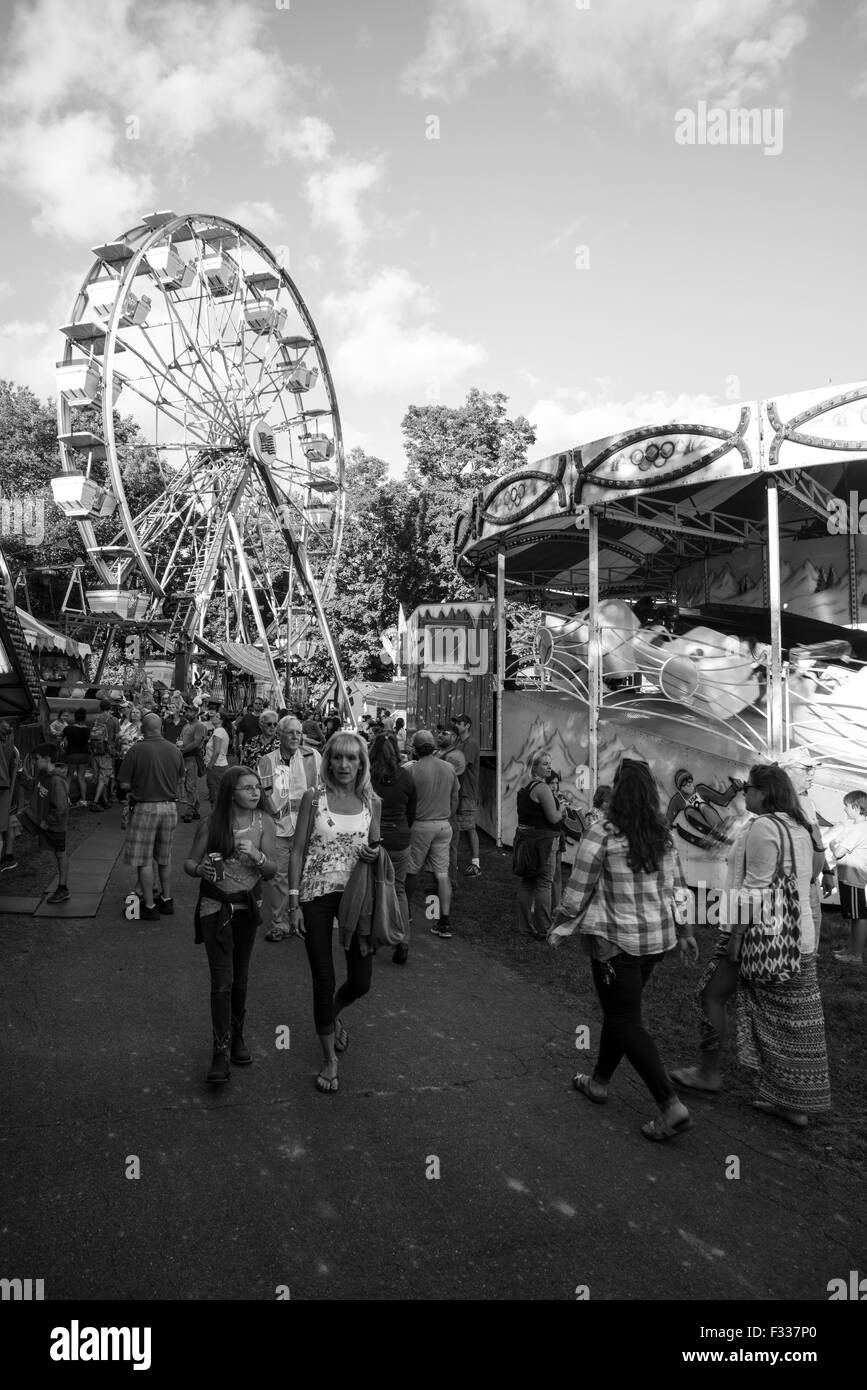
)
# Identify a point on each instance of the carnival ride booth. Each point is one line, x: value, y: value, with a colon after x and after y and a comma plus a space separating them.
x: 60, y: 659
x: 693, y: 594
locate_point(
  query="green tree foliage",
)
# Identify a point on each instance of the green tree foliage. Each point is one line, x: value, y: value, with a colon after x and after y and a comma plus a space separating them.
x: 31, y: 458
x: 454, y: 452
x: 398, y: 537
x: 379, y: 566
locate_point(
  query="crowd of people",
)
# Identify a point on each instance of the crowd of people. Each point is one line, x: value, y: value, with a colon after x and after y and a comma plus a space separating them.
x: 299, y: 806
x: 295, y: 803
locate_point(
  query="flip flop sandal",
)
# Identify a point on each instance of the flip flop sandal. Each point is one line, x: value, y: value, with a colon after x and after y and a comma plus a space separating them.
x: 792, y: 1117
x: 327, y: 1085
x: 583, y: 1083
x: 276, y: 934
x: 658, y: 1132
x: 684, y: 1077
x: 341, y: 1038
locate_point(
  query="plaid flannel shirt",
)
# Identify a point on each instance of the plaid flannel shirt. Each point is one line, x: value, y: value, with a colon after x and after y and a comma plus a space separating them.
x: 604, y: 897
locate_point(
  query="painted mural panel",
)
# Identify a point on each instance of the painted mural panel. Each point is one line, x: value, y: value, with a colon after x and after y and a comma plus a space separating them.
x: 814, y: 579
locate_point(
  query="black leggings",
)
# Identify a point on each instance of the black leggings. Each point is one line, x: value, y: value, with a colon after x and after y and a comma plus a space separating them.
x: 229, y: 965
x: 319, y: 916
x: 620, y: 983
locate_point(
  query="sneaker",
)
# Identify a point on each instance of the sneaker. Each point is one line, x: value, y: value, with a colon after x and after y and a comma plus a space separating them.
x: 149, y: 914
x: 9, y: 862
x: 166, y: 906
x: 439, y: 930
x: 845, y: 958
x: 472, y: 871
x: 60, y: 895
x: 400, y: 955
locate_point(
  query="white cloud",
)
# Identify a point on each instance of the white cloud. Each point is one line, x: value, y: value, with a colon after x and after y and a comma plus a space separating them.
x: 559, y: 427
x: 71, y: 171
x: 334, y: 196
x: 28, y: 350
x: 313, y: 139
x: 388, y: 342
x: 255, y: 216
x: 719, y: 50
x: 75, y: 72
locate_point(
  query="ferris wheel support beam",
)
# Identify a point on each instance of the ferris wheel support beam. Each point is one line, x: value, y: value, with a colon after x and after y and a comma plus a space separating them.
x: 209, y: 569
x: 251, y: 595
x: 299, y: 554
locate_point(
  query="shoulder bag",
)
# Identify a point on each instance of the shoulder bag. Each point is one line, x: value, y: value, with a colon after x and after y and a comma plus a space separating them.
x: 771, y: 952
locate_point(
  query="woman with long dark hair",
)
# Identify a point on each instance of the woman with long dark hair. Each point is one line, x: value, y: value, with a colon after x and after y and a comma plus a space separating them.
x: 781, y: 1024
x: 336, y: 827
x: 232, y: 852
x: 395, y: 787
x: 621, y: 895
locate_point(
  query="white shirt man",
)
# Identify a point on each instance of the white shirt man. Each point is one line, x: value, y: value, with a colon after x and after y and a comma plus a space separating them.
x: 286, y: 773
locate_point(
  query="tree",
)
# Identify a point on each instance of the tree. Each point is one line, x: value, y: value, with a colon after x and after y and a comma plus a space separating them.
x: 31, y: 458
x: 379, y: 566
x: 454, y: 452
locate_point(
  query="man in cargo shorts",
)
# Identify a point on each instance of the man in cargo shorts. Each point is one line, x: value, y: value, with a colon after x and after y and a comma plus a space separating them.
x: 152, y: 773
x: 431, y: 834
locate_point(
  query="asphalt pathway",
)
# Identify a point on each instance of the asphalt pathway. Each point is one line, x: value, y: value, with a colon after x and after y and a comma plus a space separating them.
x: 456, y: 1162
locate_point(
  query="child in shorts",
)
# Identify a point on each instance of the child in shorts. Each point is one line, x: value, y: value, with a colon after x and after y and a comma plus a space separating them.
x: 49, y: 813
x: 848, y: 853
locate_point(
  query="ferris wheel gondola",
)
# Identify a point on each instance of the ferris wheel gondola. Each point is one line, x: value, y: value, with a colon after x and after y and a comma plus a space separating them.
x: 191, y: 325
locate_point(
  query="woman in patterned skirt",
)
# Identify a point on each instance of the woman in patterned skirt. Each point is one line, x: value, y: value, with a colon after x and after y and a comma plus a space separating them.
x: 781, y: 1026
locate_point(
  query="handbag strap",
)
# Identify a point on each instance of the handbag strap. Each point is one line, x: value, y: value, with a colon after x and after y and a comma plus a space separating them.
x: 781, y: 824
x: 315, y: 803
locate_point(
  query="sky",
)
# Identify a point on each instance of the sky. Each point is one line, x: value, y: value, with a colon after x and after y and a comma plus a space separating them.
x: 515, y: 195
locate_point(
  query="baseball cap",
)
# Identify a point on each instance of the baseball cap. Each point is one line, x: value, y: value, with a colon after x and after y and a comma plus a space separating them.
x: 423, y: 739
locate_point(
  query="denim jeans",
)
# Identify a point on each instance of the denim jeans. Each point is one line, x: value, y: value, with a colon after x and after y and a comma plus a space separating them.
x: 189, y: 798
x: 534, y: 898
x: 213, y: 778
x: 620, y: 984
x: 319, y: 915
x: 229, y: 966
x: 400, y: 861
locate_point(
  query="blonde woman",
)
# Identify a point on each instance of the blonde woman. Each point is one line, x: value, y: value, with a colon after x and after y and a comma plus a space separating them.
x: 336, y: 827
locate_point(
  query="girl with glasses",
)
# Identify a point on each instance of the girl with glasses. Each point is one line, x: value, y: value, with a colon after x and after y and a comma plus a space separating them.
x: 232, y: 852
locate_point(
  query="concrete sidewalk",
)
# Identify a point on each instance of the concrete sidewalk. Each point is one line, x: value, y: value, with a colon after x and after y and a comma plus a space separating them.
x: 457, y: 1066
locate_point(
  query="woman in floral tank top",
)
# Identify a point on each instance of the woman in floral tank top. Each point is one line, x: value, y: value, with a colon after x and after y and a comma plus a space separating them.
x: 338, y: 826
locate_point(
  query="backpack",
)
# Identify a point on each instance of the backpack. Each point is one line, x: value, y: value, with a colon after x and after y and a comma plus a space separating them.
x: 99, y: 737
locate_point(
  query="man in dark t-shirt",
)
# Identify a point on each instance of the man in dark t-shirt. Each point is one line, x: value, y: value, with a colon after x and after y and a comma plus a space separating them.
x: 469, y: 803
x: 246, y: 726
x: 152, y: 773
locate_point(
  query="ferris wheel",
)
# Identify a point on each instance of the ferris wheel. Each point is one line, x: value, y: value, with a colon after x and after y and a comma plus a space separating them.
x: 190, y: 325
